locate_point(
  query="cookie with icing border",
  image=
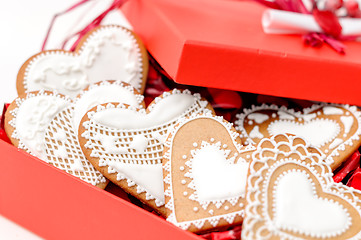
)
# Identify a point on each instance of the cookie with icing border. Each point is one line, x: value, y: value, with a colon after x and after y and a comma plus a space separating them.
x: 28, y: 116
x: 205, y: 170
x: 125, y: 143
x: 333, y: 128
x: 107, y: 52
x: 61, y: 137
x: 291, y: 195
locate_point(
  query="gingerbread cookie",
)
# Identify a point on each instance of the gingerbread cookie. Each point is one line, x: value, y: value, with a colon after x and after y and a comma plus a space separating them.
x: 125, y: 143
x: 205, y: 170
x: 61, y: 137
x: 335, y: 129
x: 28, y: 116
x: 291, y: 195
x: 105, y: 53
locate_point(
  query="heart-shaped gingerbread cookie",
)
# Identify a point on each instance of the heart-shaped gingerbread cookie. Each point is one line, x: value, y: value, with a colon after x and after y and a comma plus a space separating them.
x: 61, y: 137
x: 335, y: 129
x: 291, y: 195
x: 105, y: 53
x: 205, y: 171
x: 126, y: 143
x: 29, y: 115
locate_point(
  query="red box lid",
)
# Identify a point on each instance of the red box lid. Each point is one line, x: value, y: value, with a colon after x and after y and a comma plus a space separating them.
x: 221, y: 44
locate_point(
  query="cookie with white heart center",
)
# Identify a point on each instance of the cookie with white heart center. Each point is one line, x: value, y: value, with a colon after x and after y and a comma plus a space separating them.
x: 125, y: 143
x: 205, y: 169
x: 29, y: 115
x: 106, y: 53
x: 61, y: 136
x: 291, y: 194
x: 333, y: 128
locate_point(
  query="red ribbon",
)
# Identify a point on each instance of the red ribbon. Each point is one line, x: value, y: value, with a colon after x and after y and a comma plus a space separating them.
x: 355, y: 180
x: 3, y: 135
x: 326, y: 19
x: 350, y: 165
x: 234, y: 233
x: 95, y: 23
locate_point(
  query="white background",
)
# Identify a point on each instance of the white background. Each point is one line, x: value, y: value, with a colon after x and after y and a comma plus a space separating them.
x: 23, y: 25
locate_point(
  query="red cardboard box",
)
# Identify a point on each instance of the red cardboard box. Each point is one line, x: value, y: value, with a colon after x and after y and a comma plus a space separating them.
x: 221, y: 44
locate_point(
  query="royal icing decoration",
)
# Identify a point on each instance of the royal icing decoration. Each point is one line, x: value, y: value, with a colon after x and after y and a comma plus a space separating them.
x: 128, y: 141
x: 335, y: 129
x: 108, y: 53
x: 104, y: 92
x: 213, y: 173
x: 291, y: 195
x: 30, y: 116
x: 62, y: 146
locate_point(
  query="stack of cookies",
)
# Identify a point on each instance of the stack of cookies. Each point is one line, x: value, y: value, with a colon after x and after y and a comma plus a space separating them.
x: 84, y: 112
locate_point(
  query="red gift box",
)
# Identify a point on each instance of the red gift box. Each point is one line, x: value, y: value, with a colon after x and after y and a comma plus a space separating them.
x: 221, y: 44
x: 211, y: 43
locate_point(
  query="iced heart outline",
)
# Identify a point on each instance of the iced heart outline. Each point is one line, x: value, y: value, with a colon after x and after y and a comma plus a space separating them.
x: 287, y: 154
x: 36, y: 118
x: 212, y: 215
x: 336, y: 150
x: 61, y: 136
x: 121, y: 149
x: 75, y: 69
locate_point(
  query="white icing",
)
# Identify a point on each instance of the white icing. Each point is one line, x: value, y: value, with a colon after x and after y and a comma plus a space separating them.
x: 284, y: 115
x: 160, y: 137
x: 139, y: 143
x: 347, y: 123
x: 308, y: 117
x: 148, y: 176
x: 255, y: 133
x: 216, y: 178
x: 329, y: 110
x: 33, y: 117
x: 167, y: 109
x: 75, y: 163
x: 77, y: 166
x: 60, y: 135
x: 109, y: 144
x: 99, y: 95
x: 110, y: 53
x: 317, y: 132
x: 335, y: 143
x: 61, y: 152
x: 297, y: 207
x: 258, y: 117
